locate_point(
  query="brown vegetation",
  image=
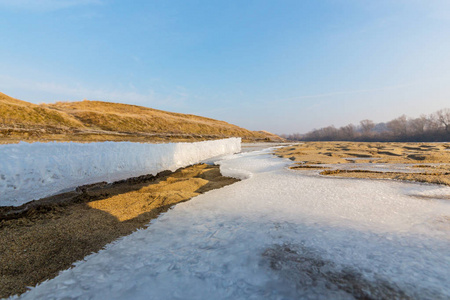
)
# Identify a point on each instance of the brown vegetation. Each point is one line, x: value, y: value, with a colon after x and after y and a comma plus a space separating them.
x: 419, y: 161
x: 104, y: 121
x: 430, y: 177
x: 43, y: 237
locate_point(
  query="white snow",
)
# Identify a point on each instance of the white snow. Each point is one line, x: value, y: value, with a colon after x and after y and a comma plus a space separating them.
x: 279, y: 234
x: 32, y: 171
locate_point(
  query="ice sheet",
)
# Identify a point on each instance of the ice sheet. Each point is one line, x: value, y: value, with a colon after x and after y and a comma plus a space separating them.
x: 278, y: 234
x: 32, y: 171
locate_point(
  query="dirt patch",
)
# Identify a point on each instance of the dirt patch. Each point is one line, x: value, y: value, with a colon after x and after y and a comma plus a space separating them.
x: 440, y: 197
x: 416, y: 155
x: 304, y: 269
x: 308, y: 167
x: 363, y: 155
x: 42, y: 238
x: 436, y: 178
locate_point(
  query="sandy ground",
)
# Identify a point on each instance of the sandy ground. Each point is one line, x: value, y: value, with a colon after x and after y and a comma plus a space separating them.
x: 422, y: 162
x: 43, y: 237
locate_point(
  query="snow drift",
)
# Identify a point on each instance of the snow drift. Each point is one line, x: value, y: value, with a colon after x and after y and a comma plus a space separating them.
x: 33, y: 171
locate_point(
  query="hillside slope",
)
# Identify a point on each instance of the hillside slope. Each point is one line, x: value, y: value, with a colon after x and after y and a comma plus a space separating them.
x: 101, y: 121
x: 16, y: 112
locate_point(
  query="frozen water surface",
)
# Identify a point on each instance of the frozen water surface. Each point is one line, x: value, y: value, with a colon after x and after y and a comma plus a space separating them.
x: 278, y: 234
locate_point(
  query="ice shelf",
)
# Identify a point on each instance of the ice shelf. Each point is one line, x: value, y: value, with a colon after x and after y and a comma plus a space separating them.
x: 36, y: 170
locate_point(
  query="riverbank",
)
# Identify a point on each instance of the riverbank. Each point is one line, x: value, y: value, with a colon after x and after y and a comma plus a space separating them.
x: 420, y: 162
x: 42, y: 238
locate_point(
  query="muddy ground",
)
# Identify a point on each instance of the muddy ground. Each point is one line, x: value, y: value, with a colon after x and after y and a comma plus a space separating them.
x: 42, y: 238
x: 421, y: 162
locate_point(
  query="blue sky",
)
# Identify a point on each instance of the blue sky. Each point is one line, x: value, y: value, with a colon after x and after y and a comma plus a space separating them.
x: 282, y: 66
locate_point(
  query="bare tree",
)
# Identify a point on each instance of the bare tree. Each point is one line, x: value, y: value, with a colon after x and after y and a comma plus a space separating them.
x: 443, y: 116
x: 329, y: 133
x: 367, y: 126
x: 399, y: 126
x: 347, y: 132
x: 418, y: 125
x: 432, y: 128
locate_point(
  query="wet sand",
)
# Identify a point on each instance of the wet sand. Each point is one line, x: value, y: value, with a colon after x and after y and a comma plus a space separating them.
x: 421, y: 162
x: 44, y: 237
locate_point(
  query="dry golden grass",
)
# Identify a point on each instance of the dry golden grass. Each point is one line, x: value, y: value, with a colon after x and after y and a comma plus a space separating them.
x: 104, y: 121
x: 342, y: 153
x: 16, y: 112
x: 131, y: 118
x: 423, y: 156
x: 49, y: 235
x: 429, y: 177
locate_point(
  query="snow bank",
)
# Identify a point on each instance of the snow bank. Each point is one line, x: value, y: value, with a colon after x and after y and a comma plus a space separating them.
x: 33, y: 171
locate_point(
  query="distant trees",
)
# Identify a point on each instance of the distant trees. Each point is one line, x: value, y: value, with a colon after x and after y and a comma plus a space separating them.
x: 366, y: 126
x: 443, y: 117
x: 399, y: 126
x: 432, y: 128
x: 347, y: 132
x: 419, y: 125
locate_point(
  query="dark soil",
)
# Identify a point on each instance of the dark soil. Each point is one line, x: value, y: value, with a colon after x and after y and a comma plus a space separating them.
x: 44, y: 237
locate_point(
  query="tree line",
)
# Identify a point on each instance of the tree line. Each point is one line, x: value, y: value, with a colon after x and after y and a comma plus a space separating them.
x: 426, y: 128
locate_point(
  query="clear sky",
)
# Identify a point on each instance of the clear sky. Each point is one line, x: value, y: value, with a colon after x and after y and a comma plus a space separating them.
x: 282, y: 66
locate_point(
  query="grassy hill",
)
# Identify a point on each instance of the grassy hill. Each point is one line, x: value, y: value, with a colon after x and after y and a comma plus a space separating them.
x: 103, y: 121
x: 15, y: 112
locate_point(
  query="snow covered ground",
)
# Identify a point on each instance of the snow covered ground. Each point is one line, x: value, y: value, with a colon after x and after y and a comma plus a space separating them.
x: 278, y: 234
x: 32, y: 171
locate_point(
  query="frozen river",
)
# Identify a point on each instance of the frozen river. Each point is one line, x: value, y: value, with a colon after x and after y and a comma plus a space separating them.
x: 278, y: 234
